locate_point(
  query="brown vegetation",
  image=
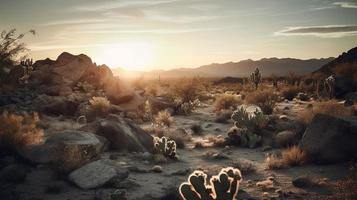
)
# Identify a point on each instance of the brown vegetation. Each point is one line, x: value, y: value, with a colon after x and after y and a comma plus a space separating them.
x: 17, y: 130
x: 164, y: 118
x: 265, y: 99
x: 290, y: 92
x: 226, y: 102
x: 292, y: 156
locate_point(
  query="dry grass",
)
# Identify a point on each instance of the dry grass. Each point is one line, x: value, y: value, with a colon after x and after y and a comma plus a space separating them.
x: 188, y: 90
x: 293, y: 156
x: 99, y: 105
x: 164, y: 118
x: 265, y: 99
x: 331, y: 107
x: 290, y: 92
x: 244, y: 165
x: 17, y: 131
x: 226, y: 102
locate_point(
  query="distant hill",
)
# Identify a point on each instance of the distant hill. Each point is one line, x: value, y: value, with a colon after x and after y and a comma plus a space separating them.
x: 268, y: 66
x: 346, y: 59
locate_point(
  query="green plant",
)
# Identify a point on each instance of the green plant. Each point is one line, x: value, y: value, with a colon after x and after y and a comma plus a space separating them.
x: 256, y: 78
x: 224, y: 186
x: 166, y: 147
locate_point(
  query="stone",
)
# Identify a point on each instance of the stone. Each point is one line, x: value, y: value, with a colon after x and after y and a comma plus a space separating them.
x: 68, y: 148
x: 96, y: 174
x: 330, y: 140
x: 13, y: 174
x: 156, y: 169
x: 302, y: 182
x: 61, y: 107
x: 122, y: 134
x: 285, y: 138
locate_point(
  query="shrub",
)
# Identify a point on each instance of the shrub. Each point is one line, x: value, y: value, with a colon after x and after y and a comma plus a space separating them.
x: 164, y: 118
x: 98, y: 106
x: 290, y: 92
x: 185, y: 108
x: 246, y: 166
x: 331, y: 107
x: 252, y: 122
x: 196, y: 129
x: 226, y: 102
x: 265, y: 99
x: 188, y: 90
x: 294, y: 156
x: 17, y: 131
x: 223, y: 116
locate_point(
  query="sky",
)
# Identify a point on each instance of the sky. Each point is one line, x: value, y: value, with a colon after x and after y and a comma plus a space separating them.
x: 166, y: 34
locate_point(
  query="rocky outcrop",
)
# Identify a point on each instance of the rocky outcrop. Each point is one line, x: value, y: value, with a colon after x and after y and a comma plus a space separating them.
x: 122, y: 134
x: 96, y: 174
x: 70, y: 149
x: 329, y: 139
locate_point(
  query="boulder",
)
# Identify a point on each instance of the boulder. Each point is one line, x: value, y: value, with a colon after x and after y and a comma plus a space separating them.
x: 160, y: 103
x: 61, y: 107
x: 70, y: 149
x: 285, y: 138
x: 97, y: 173
x: 122, y: 134
x: 329, y: 139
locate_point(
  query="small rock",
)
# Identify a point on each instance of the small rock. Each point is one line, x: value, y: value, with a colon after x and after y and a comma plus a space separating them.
x: 156, y: 169
x: 302, y: 182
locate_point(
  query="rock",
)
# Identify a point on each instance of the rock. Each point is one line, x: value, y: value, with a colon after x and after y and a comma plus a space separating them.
x: 96, y: 174
x: 13, y: 174
x: 285, y: 138
x: 302, y: 96
x: 329, y: 139
x: 69, y: 149
x: 284, y: 118
x: 122, y: 134
x: 157, y: 169
x: 61, y: 107
x: 302, y: 182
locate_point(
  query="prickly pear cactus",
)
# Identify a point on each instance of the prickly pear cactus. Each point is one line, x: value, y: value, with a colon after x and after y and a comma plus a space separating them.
x: 256, y: 78
x: 223, y: 186
x: 165, y: 147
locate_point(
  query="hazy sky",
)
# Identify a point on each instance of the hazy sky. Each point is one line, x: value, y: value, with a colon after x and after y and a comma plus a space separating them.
x: 163, y: 34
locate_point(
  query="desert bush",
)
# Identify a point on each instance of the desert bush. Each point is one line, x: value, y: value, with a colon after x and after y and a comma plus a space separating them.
x: 226, y: 102
x: 225, y: 185
x: 187, y: 90
x: 185, y: 108
x: 289, y: 157
x: 331, y: 107
x: 294, y: 156
x: 99, y: 105
x: 246, y: 166
x: 152, y: 90
x: 196, y: 129
x: 18, y: 130
x: 265, y: 99
x: 223, y: 116
x: 290, y: 92
x: 164, y: 118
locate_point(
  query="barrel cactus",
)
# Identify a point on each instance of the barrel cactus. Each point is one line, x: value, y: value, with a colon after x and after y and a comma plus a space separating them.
x: 223, y: 186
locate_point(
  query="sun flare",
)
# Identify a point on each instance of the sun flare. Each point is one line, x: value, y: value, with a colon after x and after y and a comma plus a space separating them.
x: 129, y: 56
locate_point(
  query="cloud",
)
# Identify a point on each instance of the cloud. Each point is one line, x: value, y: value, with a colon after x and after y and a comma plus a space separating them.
x: 346, y: 4
x: 149, y: 31
x: 123, y: 4
x: 72, y: 22
x: 331, y: 31
x: 158, y: 16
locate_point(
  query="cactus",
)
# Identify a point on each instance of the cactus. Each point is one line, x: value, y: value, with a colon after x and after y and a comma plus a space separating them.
x: 329, y: 85
x: 223, y: 186
x: 256, y: 78
x: 165, y: 147
x: 250, y: 126
x: 27, y: 65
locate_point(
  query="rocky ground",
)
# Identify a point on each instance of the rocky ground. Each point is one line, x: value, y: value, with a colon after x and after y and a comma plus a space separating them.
x: 143, y: 179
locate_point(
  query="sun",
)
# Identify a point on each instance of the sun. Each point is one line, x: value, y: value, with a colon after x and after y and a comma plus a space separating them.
x: 129, y: 56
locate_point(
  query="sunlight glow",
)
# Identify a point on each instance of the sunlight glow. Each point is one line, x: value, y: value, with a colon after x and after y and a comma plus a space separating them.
x: 129, y: 56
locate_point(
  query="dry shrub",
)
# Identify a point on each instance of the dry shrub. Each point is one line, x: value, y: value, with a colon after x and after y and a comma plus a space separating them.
x: 290, y: 92
x: 274, y: 162
x: 164, y: 118
x: 265, y: 99
x: 188, y: 90
x: 17, y: 131
x: 152, y: 90
x: 99, y: 105
x: 244, y: 165
x: 226, y: 102
x: 331, y: 107
x: 292, y: 156
x: 223, y: 116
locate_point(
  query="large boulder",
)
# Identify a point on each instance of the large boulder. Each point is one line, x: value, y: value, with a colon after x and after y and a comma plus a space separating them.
x: 61, y: 107
x: 69, y: 149
x: 122, y: 134
x: 329, y: 139
x: 96, y: 174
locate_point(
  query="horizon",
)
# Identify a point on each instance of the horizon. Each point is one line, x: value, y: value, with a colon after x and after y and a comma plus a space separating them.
x: 142, y: 35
